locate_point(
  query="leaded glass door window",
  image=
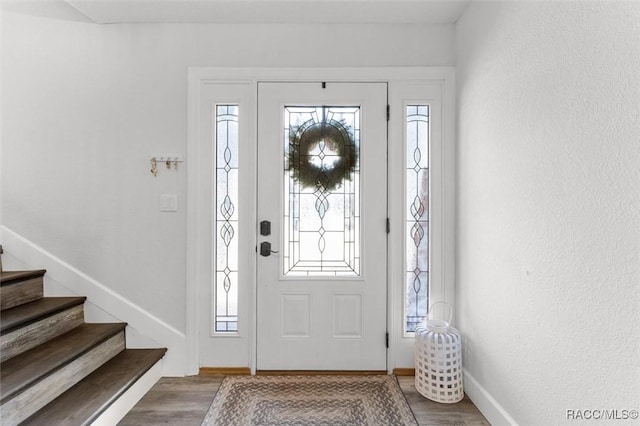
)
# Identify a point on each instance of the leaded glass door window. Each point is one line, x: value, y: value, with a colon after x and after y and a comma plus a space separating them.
x: 322, y: 185
x: 321, y: 191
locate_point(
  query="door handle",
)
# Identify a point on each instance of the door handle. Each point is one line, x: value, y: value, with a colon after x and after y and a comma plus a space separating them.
x: 265, y: 249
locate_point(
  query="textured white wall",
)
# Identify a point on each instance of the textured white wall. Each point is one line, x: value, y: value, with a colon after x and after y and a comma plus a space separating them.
x: 84, y: 107
x: 548, y: 265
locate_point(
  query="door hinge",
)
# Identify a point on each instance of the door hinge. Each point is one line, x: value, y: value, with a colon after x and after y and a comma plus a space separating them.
x: 388, y: 226
x: 386, y: 340
x: 388, y: 111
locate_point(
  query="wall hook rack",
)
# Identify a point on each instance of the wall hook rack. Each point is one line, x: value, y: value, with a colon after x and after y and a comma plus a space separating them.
x: 169, y: 161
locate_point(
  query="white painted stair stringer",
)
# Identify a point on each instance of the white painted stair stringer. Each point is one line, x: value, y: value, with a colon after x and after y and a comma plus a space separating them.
x: 130, y: 397
x: 141, y: 321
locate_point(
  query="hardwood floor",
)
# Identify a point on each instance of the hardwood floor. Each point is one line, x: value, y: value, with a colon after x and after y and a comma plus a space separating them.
x: 184, y: 401
x: 431, y: 413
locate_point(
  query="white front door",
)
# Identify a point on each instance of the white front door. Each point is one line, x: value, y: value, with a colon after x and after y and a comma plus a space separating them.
x: 322, y: 208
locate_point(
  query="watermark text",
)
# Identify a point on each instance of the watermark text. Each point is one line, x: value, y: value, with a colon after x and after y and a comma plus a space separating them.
x: 602, y: 414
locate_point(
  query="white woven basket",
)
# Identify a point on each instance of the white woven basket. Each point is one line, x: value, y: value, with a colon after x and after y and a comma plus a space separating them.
x: 438, y: 356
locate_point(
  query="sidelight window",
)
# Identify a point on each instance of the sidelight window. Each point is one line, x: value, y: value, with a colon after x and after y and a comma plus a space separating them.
x: 226, y: 219
x: 417, y: 215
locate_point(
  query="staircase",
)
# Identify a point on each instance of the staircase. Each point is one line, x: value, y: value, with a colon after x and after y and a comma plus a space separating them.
x: 55, y: 368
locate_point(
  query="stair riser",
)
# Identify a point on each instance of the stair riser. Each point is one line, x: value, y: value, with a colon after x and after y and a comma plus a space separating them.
x: 41, y: 393
x: 21, y: 292
x: 32, y: 335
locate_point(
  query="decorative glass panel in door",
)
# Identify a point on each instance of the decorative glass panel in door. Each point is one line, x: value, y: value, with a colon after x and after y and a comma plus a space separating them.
x: 321, y: 191
x: 322, y: 184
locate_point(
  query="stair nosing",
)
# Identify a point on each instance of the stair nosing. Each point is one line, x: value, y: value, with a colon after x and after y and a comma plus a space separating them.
x: 66, y: 302
x: 18, y: 276
x: 111, y: 330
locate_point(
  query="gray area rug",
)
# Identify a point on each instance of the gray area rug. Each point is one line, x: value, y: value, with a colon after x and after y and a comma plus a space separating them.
x: 309, y: 400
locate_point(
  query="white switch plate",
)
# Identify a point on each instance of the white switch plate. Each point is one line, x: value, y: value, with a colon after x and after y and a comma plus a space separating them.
x: 168, y: 202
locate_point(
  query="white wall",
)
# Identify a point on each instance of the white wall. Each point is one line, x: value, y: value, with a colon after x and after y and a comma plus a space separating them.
x: 548, y: 264
x: 85, y: 106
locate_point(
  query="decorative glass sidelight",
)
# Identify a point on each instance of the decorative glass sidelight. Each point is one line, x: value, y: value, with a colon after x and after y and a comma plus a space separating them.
x: 226, y: 223
x: 417, y: 215
x: 321, y: 191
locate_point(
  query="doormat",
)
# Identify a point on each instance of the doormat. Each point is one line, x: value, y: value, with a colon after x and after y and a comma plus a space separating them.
x: 309, y: 401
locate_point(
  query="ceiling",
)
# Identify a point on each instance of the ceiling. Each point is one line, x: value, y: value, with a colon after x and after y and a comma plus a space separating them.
x: 272, y: 11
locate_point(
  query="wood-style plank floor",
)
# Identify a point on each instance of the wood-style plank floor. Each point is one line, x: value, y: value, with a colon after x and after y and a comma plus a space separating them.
x: 184, y: 401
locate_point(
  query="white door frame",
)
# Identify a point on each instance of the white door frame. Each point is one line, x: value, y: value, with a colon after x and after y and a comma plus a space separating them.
x: 442, y: 280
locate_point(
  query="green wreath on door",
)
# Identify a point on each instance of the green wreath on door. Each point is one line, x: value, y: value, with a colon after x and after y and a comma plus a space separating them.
x: 320, y: 140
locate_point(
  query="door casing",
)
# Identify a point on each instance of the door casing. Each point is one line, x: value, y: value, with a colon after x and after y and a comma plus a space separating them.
x: 437, y: 82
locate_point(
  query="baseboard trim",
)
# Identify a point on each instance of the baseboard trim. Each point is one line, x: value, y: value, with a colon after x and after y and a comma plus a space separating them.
x: 225, y: 371
x: 142, y: 321
x: 404, y: 371
x: 488, y: 406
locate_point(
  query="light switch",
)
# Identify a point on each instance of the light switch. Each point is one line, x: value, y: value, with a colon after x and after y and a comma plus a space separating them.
x: 168, y: 202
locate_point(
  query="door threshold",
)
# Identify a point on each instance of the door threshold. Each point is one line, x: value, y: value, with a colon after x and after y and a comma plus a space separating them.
x: 225, y: 371
x: 320, y: 372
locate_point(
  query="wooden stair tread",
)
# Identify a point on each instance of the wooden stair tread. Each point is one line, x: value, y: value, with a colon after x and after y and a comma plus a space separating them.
x: 11, y: 277
x: 28, y: 313
x: 85, y: 401
x: 35, y: 364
